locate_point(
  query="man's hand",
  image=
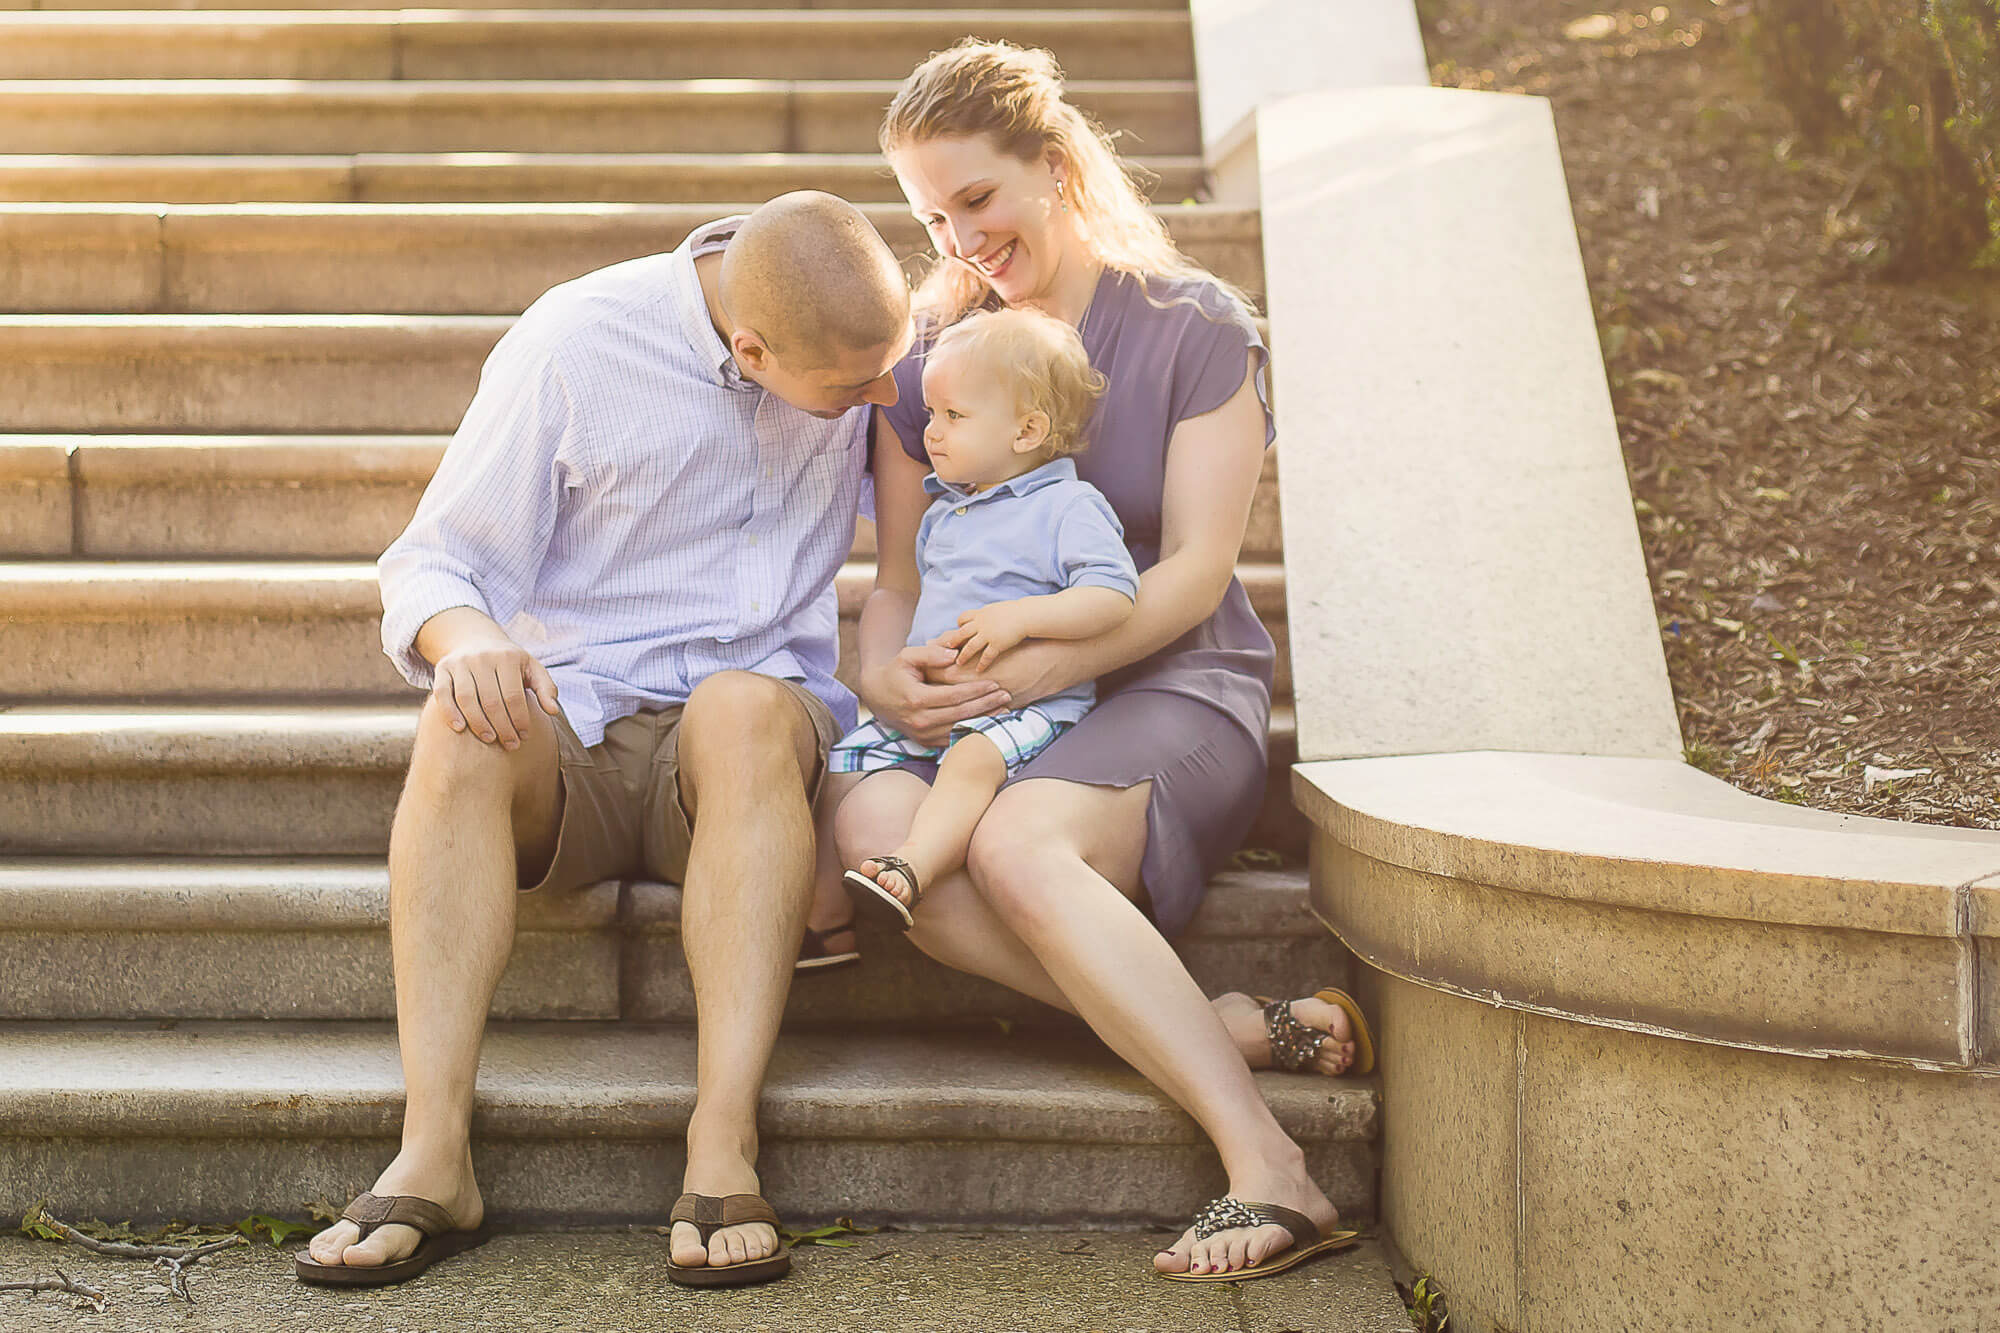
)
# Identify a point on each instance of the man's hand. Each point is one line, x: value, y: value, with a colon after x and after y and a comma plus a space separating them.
x: 899, y: 695
x: 485, y: 685
x: 986, y: 632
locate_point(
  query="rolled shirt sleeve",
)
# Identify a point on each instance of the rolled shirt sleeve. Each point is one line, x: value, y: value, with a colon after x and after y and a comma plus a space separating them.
x: 1090, y: 546
x: 480, y: 534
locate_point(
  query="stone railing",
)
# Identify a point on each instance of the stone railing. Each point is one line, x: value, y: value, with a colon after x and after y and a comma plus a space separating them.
x: 1656, y: 1054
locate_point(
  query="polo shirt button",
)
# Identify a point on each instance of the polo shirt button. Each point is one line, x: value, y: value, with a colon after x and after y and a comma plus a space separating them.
x: 959, y: 510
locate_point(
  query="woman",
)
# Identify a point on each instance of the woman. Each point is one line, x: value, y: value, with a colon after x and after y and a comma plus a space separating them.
x: 1126, y: 815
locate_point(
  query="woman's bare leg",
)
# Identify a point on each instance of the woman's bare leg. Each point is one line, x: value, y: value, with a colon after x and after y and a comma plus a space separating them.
x: 960, y: 930
x: 1050, y: 912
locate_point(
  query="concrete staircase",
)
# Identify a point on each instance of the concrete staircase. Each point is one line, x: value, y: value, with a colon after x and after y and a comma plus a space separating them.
x: 250, y: 264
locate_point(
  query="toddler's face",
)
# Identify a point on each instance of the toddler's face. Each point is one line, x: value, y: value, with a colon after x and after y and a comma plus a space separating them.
x: 977, y: 436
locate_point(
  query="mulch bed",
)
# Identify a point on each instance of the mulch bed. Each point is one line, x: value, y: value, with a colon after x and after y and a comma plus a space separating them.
x: 1813, y: 450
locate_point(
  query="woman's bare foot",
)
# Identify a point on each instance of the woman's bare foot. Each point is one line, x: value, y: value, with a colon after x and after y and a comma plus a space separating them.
x: 450, y: 1186
x: 1244, y: 1018
x: 1244, y: 1247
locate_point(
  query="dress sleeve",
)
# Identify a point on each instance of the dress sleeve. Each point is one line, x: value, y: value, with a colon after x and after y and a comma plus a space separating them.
x: 908, y: 417
x: 483, y: 527
x: 1215, y: 346
x: 1090, y: 546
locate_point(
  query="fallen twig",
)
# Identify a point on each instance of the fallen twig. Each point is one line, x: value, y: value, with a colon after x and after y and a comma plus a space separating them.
x: 61, y: 1282
x: 174, y: 1259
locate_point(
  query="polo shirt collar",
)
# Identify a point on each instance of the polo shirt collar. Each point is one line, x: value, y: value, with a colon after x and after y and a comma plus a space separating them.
x: 710, y: 238
x: 1048, y: 474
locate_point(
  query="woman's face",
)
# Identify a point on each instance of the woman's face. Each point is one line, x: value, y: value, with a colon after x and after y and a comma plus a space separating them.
x: 995, y: 214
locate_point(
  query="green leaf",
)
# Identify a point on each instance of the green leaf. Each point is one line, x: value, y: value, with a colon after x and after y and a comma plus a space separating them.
x: 277, y: 1228
x: 829, y: 1234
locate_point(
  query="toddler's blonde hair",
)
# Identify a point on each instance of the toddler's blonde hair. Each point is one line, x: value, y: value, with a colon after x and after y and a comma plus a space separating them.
x: 1044, y: 360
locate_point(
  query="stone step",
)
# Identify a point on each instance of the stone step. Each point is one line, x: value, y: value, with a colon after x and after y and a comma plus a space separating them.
x: 274, y: 496
x: 266, y: 116
x: 269, y: 780
x: 241, y: 374
x: 137, y: 939
x: 431, y: 44
x: 444, y: 259
x: 297, y: 630
x: 363, y: 178
x: 579, y: 1124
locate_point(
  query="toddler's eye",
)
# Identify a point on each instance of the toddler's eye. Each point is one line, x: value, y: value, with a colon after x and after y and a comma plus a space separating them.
x: 950, y: 414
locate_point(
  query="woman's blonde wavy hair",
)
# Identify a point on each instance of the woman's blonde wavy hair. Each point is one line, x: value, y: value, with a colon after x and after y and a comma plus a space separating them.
x: 1014, y: 96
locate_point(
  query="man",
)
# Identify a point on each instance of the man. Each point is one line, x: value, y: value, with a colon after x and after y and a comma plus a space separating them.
x: 619, y: 591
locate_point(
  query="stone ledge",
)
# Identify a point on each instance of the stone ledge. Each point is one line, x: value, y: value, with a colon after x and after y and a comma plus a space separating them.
x: 1642, y: 894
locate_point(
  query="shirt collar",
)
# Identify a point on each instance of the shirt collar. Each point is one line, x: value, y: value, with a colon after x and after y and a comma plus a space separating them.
x: 710, y: 238
x: 1048, y: 474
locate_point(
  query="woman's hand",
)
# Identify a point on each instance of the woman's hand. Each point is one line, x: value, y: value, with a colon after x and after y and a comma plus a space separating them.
x: 902, y: 692
x: 1033, y: 670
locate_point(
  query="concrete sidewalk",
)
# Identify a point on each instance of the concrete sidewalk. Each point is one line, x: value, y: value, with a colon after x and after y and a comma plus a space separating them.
x: 993, y: 1282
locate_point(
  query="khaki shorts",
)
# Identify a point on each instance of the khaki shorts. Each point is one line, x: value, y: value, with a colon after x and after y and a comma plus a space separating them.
x: 622, y: 814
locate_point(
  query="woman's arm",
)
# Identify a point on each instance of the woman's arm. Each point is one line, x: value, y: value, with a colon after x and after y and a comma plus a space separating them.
x: 1213, y: 462
x: 892, y: 676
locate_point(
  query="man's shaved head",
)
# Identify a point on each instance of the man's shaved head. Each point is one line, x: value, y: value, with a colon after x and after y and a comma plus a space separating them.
x: 812, y: 279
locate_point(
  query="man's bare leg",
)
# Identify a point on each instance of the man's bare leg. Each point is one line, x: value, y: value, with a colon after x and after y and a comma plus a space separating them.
x: 747, y: 753
x: 466, y: 806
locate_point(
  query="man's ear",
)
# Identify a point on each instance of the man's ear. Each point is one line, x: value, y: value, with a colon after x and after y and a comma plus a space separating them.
x: 750, y: 351
x: 1033, y: 434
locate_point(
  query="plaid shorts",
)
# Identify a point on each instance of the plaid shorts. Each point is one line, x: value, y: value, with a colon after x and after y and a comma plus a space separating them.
x: 872, y: 747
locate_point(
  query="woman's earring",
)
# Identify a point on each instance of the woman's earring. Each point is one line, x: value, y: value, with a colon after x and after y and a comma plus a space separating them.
x: 1059, y: 195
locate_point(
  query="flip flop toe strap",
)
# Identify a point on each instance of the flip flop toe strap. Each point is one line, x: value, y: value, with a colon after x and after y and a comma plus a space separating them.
x: 1230, y: 1214
x: 709, y: 1214
x: 369, y: 1211
x: 1293, y: 1045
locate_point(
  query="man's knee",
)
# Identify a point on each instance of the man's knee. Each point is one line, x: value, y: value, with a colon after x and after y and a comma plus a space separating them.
x: 741, y: 720
x: 451, y: 764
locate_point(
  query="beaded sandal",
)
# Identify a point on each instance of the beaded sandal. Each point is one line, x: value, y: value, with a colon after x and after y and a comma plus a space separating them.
x: 1228, y: 1214
x: 878, y: 903
x: 1294, y: 1046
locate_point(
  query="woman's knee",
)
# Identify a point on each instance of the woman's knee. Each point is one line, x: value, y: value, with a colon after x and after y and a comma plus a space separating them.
x: 1024, y: 857
x: 876, y: 815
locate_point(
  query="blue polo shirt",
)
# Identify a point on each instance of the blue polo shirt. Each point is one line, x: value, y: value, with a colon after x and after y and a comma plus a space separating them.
x: 1040, y: 532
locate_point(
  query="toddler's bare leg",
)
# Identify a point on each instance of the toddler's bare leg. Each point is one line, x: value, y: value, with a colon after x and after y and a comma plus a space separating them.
x: 968, y: 777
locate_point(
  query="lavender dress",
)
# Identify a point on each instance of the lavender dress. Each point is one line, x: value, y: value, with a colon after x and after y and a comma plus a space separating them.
x: 1192, y: 717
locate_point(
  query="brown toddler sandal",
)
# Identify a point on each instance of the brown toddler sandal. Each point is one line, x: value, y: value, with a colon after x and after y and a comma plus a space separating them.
x: 1227, y: 1214
x: 877, y: 903
x: 1294, y: 1046
x: 709, y: 1215
x: 443, y: 1237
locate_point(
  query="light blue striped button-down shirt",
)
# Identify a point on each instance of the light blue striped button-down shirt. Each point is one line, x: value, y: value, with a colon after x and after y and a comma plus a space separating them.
x: 631, y: 509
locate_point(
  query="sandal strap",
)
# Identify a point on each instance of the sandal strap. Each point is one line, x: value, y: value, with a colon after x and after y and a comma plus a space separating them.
x: 1293, y: 1045
x: 708, y: 1213
x: 1230, y: 1214
x: 902, y: 867
x: 369, y: 1211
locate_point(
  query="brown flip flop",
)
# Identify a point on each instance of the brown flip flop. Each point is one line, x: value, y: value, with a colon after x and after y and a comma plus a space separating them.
x: 709, y: 1215
x: 443, y: 1237
x: 1227, y: 1214
x: 1294, y: 1046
